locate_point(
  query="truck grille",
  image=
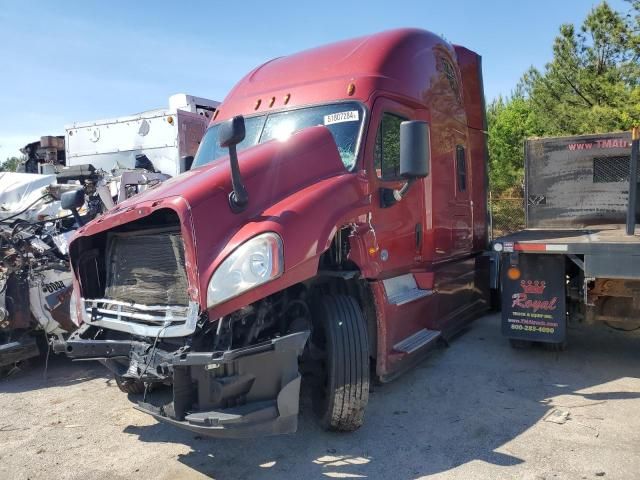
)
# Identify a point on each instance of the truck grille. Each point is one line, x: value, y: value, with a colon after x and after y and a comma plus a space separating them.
x: 134, y: 280
x: 147, y: 268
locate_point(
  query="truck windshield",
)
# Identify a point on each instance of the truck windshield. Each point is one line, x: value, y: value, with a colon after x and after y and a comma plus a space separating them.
x: 344, y: 121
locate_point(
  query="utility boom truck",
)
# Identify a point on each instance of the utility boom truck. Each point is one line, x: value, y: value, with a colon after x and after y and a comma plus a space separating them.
x: 332, y: 227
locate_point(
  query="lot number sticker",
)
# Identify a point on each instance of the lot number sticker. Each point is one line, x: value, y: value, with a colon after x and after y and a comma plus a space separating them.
x: 350, y: 116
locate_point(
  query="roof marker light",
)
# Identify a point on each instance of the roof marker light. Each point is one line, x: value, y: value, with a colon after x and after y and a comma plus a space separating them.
x: 257, y: 106
x: 272, y: 101
x: 351, y: 89
x: 287, y: 97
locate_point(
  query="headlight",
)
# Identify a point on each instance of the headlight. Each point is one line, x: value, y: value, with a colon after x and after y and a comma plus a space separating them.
x: 253, y: 263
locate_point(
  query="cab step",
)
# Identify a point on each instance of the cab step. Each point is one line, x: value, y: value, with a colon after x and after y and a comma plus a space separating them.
x: 407, y: 296
x: 418, y: 340
x: 403, y: 289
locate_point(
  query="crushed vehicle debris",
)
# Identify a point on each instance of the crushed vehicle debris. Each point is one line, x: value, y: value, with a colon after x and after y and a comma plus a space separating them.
x: 66, y: 182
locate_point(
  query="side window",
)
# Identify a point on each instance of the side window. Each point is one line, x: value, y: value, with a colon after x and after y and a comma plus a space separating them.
x: 461, y: 168
x: 387, y: 151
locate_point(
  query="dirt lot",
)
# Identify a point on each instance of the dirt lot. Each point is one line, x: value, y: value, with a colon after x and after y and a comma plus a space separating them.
x: 475, y: 410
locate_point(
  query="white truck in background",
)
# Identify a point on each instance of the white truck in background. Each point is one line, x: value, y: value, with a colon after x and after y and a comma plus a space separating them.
x: 164, y: 136
x: 102, y: 163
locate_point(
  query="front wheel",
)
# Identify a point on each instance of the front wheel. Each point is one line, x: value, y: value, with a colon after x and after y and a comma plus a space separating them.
x: 340, y: 332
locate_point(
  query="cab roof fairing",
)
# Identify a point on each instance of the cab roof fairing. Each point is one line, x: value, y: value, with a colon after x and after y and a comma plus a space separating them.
x: 373, y: 63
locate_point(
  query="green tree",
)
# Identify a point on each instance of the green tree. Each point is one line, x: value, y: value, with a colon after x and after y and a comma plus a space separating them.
x: 591, y: 85
x: 10, y: 164
x: 510, y: 121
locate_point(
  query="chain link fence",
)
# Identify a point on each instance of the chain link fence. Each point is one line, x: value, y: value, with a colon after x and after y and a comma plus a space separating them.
x: 507, y: 215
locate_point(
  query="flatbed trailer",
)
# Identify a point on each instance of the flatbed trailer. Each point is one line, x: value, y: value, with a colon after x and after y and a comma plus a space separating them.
x: 576, y: 261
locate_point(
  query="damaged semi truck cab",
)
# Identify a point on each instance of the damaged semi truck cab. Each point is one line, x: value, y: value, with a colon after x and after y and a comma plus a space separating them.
x: 332, y: 227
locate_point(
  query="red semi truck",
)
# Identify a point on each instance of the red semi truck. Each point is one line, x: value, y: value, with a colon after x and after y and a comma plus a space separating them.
x: 333, y: 226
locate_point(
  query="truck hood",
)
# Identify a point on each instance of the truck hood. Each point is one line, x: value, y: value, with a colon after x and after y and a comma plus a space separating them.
x: 270, y: 171
x: 275, y: 173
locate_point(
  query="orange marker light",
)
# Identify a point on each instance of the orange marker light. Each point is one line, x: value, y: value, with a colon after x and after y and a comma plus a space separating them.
x: 372, y: 251
x: 287, y: 97
x: 513, y: 273
x: 351, y: 89
x: 258, y: 102
x: 170, y: 120
x: 272, y: 101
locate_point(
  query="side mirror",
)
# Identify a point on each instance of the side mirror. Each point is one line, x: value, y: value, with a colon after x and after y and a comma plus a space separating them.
x: 185, y: 163
x: 414, y: 149
x: 73, y: 200
x: 231, y: 132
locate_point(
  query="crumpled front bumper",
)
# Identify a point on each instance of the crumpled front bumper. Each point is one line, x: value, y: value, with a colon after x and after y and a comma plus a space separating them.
x: 242, y: 393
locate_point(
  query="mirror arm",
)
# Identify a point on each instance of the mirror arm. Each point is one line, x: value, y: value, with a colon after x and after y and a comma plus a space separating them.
x: 76, y: 217
x: 238, y: 198
x: 399, y: 194
x: 391, y: 196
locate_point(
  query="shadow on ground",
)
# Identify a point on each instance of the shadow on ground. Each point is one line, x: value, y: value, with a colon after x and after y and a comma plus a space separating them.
x: 57, y: 371
x: 475, y: 396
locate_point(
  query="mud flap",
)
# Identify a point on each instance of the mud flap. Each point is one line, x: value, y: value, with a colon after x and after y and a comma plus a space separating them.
x: 533, y: 297
x: 242, y: 393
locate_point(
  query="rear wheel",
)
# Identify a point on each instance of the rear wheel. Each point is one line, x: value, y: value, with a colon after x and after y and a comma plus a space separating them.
x: 129, y: 385
x: 520, y: 344
x: 555, y: 346
x: 340, y: 332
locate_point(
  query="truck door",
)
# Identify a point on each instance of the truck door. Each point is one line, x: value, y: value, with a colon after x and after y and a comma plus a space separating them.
x: 460, y: 203
x: 398, y: 227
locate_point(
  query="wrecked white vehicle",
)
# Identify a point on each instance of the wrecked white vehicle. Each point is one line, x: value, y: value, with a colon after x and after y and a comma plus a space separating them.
x: 92, y: 168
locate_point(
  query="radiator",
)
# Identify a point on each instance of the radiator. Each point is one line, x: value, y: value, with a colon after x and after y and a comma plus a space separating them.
x: 147, y: 268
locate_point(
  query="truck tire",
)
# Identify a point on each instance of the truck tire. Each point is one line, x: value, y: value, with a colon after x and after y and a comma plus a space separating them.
x: 129, y: 385
x: 495, y: 300
x: 555, y: 346
x: 344, y: 393
x: 519, y: 344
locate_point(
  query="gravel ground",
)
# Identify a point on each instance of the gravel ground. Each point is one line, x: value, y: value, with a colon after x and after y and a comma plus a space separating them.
x: 475, y: 410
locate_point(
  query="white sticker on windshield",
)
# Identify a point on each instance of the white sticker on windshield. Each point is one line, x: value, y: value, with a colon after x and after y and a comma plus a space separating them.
x: 339, y: 117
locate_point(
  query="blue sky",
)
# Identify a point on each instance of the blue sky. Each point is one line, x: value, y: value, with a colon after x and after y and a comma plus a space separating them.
x: 70, y: 61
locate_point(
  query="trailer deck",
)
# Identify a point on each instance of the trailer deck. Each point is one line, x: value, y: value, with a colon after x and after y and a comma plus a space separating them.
x: 608, y: 252
x: 579, y: 240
